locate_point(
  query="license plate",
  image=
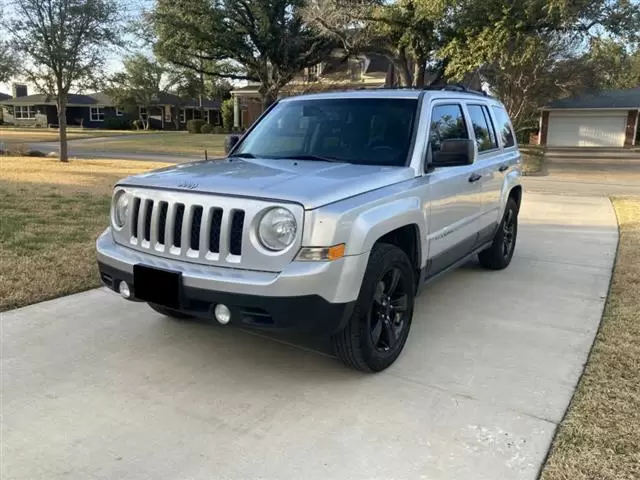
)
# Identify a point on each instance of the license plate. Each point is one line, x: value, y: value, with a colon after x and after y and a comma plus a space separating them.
x: 157, y: 286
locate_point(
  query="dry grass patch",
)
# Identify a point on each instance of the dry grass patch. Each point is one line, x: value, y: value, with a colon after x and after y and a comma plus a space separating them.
x: 166, y: 142
x: 16, y: 136
x: 50, y: 216
x: 600, y: 436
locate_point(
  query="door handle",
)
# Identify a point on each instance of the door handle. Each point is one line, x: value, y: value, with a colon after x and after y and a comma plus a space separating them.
x: 503, y: 168
x: 474, y: 177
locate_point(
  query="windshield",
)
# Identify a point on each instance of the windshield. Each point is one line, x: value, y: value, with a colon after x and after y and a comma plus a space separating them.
x: 367, y: 131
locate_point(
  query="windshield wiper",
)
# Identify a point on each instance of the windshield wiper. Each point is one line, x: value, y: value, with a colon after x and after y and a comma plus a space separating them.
x: 242, y: 155
x: 317, y: 158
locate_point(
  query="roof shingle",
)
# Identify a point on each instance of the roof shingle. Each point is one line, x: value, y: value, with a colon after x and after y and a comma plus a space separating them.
x: 628, y: 98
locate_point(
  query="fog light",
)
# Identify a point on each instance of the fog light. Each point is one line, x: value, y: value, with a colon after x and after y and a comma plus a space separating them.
x: 222, y: 313
x: 124, y: 290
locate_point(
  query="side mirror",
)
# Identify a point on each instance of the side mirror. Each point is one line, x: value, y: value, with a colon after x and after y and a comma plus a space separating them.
x: 230, y: 142
x: 453, y: 153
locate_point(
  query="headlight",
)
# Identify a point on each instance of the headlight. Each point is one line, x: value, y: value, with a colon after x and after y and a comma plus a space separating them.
x: 120, y: 209
x: 277, y: 229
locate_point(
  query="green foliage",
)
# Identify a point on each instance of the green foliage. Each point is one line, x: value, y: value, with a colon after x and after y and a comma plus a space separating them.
x: 261, y: 40
x: 227, y: 114
x: 614, y: 64
x: 117, y: 123
x: 65, y: 43
x: 138, y: 85
x: 195, y: 125
x: 206, y: 128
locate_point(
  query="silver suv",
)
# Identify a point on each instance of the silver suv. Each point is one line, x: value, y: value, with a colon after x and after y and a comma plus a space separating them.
x: 326, y: 217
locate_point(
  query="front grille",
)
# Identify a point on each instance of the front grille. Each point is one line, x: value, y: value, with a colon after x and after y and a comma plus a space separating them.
x: 206, y: 229
x: 196, y: 230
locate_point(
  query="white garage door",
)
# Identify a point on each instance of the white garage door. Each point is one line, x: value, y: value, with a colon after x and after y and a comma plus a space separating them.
x: 604, y: 129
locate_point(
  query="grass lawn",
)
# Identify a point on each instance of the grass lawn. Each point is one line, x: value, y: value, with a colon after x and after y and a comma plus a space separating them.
x: 16, y: 136
x: 50, y: 216
x: 599, y: 438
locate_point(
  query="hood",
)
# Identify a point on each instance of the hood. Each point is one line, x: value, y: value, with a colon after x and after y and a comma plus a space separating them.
x: 310, y: 183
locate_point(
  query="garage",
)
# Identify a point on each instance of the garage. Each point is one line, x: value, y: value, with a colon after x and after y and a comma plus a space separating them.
x: 606, y: 119
x: 587, y: 129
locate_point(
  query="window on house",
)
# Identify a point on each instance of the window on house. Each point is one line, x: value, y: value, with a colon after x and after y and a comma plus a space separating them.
x: 183, y: 115
x: 482, y: 127
x: 142, y: 111
x: 447, y: 123
x: 119, y: 112
x: 24, y: 112
x: 504, y: 127
x: 96, y: 114
x: 312, y: 72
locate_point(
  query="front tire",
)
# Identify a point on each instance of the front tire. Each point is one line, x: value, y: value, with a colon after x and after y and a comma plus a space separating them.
x: 379, y: 326
x: 498, y: 255
x: 169, y: 312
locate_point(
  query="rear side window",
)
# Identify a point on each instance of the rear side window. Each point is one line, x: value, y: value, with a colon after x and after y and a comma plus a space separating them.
x: 447, y: 123
x: 482, y: 127
x: 504, y: 127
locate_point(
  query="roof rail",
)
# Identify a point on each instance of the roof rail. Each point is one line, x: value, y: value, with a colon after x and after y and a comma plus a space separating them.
x: 452, y: 87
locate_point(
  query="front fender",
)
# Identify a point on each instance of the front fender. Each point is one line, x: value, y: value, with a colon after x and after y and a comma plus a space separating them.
x: 376, y: 222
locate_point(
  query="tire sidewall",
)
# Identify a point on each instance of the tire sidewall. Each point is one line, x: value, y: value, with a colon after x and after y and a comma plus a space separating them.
x: 374, y: 358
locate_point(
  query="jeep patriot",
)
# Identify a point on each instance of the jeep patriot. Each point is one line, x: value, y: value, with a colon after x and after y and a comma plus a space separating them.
x: 326, y: 216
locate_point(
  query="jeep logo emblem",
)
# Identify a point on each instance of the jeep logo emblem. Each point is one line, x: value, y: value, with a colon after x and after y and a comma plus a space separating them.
x: 190, y: 186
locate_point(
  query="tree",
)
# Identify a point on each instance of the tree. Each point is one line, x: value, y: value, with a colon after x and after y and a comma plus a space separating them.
x: 529, y: 51
x: 259, y: 40
x: 138, y: 85
x: 408, y: 32
x: 227, y: 114
x: 613, y: 64
x: 9, y: 62
x: 65, y: 42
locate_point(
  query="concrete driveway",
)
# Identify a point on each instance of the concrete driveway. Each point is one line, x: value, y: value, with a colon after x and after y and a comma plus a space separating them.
x: 95, y: 387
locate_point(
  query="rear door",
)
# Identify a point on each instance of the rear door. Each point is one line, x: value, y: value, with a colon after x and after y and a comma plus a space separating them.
x: 454, y: 204
x: 489, y: 162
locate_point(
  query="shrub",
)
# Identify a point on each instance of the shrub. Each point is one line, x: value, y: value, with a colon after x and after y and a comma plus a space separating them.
x: 138, y: 124
x: 227, y: 114
x: 194, y: 126
x: 206, y: 128
x: 117, y: 123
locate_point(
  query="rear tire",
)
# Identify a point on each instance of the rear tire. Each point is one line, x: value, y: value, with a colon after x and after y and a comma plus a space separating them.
x: 169, y: 312
x: 498, y: 255
x: 379, y: 326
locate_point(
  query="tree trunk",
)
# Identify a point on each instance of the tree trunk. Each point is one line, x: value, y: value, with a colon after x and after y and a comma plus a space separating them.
x: 419, y: 72
x: 268, y: 99
x: 62, y: 125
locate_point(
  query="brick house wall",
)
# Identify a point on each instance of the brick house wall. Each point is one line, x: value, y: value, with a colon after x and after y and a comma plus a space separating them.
x: 630, y: 131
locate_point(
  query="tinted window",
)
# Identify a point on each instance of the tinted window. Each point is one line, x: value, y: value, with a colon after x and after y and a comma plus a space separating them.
x: 447, y: 123
x: 482, y: 127
x: 370, y: 131
x: 504, y: 127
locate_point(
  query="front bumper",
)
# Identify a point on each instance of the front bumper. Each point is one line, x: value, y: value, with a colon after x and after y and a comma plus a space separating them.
x: 306, y: 295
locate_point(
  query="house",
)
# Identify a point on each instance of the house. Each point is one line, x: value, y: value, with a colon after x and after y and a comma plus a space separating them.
x: 3, y: 96
x: 94, y: 110
x: 605, y: 119
x: 337, y: 72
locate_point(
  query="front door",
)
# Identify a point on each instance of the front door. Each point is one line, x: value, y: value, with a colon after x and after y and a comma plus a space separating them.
x: 455, y: 194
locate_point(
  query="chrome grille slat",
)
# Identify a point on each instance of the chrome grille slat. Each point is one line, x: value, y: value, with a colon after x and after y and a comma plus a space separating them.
x: 142, y: 214
x: 205, y: 228
x: 201, y: 228
x: 186, y: 229
x: 223, y: 248
x: 155, y: 216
